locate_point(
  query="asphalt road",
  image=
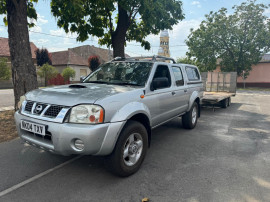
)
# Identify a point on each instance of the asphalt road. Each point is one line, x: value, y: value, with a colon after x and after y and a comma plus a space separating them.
x: 6, y: 98
x: 225, y: 158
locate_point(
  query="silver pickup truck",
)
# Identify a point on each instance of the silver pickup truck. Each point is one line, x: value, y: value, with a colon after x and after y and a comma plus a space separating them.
x: 112, y: 111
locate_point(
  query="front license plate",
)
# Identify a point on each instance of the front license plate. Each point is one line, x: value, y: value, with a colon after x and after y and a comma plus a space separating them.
x: 33, y: 127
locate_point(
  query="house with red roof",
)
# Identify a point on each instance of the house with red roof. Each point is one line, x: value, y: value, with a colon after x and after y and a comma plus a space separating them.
x: 77, y: 58
x: 5, y: 52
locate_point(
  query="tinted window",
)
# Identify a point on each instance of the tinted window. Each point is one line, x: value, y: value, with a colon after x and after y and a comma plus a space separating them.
x: 163, y: 71
x: 192, y: 73
x: 178, y: 76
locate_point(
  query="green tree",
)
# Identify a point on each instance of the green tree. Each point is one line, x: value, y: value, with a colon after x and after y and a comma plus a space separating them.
x: 238, y: 40
x: 43, y: 56
x: 192, y: 61
x: 68, y: 73
x: 47, y: 72
x: 5, y: 73
x: 23, y: 70
x: 116, y: 22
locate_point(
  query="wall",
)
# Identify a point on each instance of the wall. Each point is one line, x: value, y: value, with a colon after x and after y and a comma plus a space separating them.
x: 60, y: 68
x: 259, y: 76
x: 77, y: 70
x: 7, y: 84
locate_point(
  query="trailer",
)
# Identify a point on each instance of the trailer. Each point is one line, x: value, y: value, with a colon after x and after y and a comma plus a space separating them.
x: 219, y: 87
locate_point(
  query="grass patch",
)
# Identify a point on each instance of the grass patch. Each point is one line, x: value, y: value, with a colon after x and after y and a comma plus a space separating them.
x: 7, y: 126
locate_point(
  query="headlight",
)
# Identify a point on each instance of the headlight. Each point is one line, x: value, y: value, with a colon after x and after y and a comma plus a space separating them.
x: 87, y: 114
x: 22, y: 98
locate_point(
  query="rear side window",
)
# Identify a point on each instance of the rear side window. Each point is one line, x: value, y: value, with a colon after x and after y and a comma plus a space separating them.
x: 192, y: 74
x: 178, y: 76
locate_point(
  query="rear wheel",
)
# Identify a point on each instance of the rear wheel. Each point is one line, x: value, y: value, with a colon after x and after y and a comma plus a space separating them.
x: 130, y: 149
x: 189, y: 120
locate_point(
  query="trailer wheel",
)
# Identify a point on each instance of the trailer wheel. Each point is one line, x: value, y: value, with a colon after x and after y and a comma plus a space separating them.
x: 225, y: 103
x: 189, y: 120
x: 229, y: 101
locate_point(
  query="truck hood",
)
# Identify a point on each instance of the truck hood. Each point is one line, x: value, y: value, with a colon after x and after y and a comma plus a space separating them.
x: 70, y: 95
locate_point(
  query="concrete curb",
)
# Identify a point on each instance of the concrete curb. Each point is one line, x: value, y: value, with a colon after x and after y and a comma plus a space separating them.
x: 6, y: 108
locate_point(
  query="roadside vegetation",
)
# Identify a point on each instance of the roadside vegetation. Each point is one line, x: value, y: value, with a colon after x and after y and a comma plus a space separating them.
x: 47, y: 72
x: 5, y: 72
x: 68, y: 73
x: 234, y: 41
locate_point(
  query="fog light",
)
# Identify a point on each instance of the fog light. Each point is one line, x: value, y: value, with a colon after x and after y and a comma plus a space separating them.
x: 79, y: 144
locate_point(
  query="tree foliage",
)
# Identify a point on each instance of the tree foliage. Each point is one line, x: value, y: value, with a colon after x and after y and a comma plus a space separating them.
x: 31, y: 11
x: 47, y: 72
x: 43, y: 56
x: 68, y: 73
x: 116, y: 22
x: 192, y: 61
x: 93, y: 62
x: 235, y: 41
x: 5, y: 72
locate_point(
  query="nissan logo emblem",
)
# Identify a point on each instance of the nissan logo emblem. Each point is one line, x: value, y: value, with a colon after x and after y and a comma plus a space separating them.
x: 38, y: 109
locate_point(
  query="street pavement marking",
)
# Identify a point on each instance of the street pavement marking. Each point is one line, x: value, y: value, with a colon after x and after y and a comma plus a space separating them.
x: 17, y: 186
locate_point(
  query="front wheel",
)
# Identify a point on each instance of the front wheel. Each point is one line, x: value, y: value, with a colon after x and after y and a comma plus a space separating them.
x: 189, y: 120
x: 130, y: 149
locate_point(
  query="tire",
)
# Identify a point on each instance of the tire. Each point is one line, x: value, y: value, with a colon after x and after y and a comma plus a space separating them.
x: 130, y: 149
x: 225, y: 103
x: 189, y: 120
x: 229, y: 101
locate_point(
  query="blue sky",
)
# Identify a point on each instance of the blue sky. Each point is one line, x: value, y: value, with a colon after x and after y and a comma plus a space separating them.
x: 194, y: 13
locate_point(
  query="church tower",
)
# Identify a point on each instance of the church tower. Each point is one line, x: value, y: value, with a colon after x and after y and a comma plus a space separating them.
x: 164, y: 44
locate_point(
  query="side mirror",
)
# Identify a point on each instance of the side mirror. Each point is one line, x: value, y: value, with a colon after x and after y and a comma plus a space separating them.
x: 160, y: 82
x: 82, y: 78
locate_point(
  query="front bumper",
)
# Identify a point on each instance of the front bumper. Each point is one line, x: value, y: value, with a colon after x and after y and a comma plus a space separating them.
x: 60, y: 137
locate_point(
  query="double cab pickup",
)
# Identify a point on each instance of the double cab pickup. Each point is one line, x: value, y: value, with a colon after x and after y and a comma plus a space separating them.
x: 112, y: 111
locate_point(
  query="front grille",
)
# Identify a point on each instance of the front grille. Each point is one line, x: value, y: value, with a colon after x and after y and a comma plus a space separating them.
x: 53, y: 111
x: 28, y: 106
x: 39, y: 108
x: 44, y: 110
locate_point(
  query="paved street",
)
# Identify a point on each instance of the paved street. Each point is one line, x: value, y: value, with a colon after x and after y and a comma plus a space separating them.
x: 225, y: 158
x: 6, y: 98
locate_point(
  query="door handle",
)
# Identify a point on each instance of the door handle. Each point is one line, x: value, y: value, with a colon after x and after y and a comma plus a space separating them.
x: 173, y: 93
x: 185, y: 90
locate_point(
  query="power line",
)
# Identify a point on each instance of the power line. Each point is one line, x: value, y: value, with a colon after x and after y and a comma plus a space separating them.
x: 130, y: 44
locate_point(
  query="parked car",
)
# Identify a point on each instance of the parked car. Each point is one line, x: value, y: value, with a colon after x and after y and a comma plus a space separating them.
x: 113, y: 111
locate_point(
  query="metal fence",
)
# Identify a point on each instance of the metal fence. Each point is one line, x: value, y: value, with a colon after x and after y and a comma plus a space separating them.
x: 219, y: 81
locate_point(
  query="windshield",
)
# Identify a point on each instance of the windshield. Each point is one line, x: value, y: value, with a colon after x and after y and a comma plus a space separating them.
x: 121, y: 73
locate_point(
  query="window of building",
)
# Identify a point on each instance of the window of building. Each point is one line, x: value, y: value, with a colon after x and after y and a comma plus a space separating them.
x: 83, y: 72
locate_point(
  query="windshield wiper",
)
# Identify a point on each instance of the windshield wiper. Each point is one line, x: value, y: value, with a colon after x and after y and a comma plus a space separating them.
x: 126, y: 83
x: 102, y: 82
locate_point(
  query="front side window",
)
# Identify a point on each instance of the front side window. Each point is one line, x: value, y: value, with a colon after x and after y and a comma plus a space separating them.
x: 162, y: 72
x: 121, y: 73
x: 192, y: 73
x: 178, y: 76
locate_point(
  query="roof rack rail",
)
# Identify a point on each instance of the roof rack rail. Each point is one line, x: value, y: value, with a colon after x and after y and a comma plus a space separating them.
x: 147, y: 58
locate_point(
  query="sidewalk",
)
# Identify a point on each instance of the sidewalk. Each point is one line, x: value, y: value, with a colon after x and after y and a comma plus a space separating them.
x: 6, y: 108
